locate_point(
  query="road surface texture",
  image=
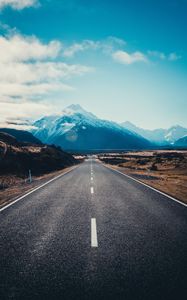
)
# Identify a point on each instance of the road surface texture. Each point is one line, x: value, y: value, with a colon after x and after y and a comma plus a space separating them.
x: 94, y: 234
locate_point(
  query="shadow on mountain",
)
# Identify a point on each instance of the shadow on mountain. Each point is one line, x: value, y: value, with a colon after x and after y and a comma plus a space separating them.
x: 19, y: 157
x: 99, y: 138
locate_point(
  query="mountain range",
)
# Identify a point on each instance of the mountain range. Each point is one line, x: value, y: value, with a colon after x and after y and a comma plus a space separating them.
x: 21, y: 135
x: 160, y: 136
x: 77, y: 129
x: 182, y: 142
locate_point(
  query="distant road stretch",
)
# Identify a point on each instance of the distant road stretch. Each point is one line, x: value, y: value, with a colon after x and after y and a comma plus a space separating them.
x: 93, y: 234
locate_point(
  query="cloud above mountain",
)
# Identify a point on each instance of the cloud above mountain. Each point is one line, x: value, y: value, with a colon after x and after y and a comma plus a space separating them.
x: 117, y: 49
x: 129, y: 58
x: 21, y: 111
x: 26, y: 60
x: 107, y: 45
x: 32, y: 70
x: 18, y: 4
x: 16, y: 47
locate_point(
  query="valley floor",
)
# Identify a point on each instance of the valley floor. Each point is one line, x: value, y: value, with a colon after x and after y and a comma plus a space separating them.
x: 164, y: 170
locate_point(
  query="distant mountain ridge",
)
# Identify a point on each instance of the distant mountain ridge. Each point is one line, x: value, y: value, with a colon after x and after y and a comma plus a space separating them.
x: 21, y: 135
x: 77, y: 129
x: 182, y: 142
x: 159, y: 136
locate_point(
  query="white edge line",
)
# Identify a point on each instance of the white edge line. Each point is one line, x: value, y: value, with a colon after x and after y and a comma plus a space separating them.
x: 152, y: 188
x: 94, y: 241
x: 35, y: 189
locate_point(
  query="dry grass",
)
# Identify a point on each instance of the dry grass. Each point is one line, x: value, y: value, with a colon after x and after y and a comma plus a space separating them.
x: 12, y: 187
x: 164, y: 170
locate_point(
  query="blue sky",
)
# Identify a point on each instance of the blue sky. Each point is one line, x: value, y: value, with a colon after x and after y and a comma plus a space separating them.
x: 122, y: 60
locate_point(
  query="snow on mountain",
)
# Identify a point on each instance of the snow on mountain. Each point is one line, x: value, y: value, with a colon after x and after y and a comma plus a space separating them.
x: 174, y: 133
x: 75, y: 128
x: 71, y: 116
x: 76, y: 108
x: 160, y: 136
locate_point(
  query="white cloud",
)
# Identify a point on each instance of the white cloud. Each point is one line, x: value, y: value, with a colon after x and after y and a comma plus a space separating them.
x: 106, y: 45
x: 39, y: 72
x: 115, y: 46
x: 80, y: 47
x: 32, y: 71
x: 20, y: 48
x: 28, y: 60
x: 128, y: 59
x: 18, y: 4
x: 160, y: 55
x: 36, y: 79
x: 18, y: 126
x: 115, y: 41
x: 157, y: 54
x: 173, y: 57
x: 31, y: 91
x: 22, y: 111
x: 17, y: 123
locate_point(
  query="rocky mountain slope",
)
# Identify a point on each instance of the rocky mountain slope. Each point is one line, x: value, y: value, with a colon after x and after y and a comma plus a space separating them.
x: 182, y: 142
x: 18, y: 158
x: 21, y: 135
x: 77, y: 129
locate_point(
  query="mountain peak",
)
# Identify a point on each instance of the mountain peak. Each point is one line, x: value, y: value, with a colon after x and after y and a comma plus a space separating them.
x: 78, y: 109
x: 130, y: 126
x: 75, y: 107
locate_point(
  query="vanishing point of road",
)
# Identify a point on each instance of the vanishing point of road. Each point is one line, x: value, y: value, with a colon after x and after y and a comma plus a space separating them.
x: 93, y: 233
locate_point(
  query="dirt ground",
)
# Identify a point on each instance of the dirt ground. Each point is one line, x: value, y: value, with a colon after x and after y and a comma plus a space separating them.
x: 11, y: 187
x: 164, y: 170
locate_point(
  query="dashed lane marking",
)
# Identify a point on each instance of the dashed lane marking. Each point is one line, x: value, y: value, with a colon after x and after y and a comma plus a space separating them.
x: 94, y: 241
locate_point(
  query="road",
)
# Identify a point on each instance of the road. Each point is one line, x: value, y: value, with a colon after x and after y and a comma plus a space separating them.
x: 93, y: 234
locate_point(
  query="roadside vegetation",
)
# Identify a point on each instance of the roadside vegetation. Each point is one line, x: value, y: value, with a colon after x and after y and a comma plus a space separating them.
x: 164, y: 170
x: 24, y: 165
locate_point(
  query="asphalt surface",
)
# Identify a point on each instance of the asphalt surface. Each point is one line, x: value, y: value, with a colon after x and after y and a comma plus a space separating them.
x: 105, y: 237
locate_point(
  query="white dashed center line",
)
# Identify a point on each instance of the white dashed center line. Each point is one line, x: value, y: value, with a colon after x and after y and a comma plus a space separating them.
x: 92, y: 190
x: 94, y: 242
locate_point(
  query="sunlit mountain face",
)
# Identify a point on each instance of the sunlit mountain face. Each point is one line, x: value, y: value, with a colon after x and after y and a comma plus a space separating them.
x: 77, y: 129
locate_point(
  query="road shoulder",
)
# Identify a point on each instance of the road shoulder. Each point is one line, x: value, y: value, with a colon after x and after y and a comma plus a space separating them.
x: 147, y: 183
x: 21, y: 190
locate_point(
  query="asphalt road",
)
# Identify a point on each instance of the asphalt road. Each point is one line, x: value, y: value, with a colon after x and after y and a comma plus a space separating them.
x: 94, y: 234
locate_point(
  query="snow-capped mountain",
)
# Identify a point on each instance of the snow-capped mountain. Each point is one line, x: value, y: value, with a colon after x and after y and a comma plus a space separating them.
x: 174, y: 133
x: 77, y: 129
x: 160, y: 136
